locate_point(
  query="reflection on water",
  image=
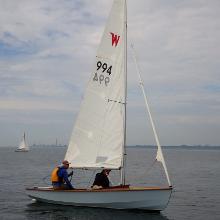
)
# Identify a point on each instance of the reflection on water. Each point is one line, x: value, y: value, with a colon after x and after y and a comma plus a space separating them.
x: 39, y: 210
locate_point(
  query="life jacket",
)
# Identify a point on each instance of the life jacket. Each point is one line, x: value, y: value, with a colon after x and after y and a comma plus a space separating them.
x: 55, y: 178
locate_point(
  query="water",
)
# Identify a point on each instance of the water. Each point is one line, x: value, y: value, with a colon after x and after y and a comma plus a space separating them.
x: 194, y: 175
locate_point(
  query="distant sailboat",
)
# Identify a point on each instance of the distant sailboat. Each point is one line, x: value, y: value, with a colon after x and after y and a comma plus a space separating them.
x: 98, y: 138
x: 23, y: 146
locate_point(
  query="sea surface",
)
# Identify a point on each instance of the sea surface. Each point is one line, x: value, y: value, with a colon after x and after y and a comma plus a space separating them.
x: 195, y: 177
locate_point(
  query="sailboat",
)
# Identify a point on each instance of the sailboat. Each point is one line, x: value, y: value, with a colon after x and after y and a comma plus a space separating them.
x: 23, y: 146
x: 98, y: 138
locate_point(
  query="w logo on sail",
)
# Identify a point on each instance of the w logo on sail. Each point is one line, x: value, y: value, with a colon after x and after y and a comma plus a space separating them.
x: 115, y: 39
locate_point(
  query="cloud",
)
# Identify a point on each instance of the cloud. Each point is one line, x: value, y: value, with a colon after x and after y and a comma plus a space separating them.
x: 47, y: 49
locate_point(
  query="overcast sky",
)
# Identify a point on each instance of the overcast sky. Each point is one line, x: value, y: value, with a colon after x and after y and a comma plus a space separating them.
x: 47, y: 49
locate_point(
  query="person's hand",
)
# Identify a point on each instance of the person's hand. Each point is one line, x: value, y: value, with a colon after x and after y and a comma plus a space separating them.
x: 71, y: 173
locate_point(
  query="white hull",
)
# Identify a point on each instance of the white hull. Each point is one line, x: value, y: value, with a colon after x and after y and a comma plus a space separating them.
x: 21, y: 150
x: 139, y: 198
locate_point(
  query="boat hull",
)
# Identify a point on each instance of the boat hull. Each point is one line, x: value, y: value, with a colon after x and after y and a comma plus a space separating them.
x: 22, y: 151
x: 139, y: 198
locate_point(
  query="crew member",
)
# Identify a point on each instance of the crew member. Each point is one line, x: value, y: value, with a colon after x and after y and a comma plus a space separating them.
x: 60, y: 177
x: 101, y: 180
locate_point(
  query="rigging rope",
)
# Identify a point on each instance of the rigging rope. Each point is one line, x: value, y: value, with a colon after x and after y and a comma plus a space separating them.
x: 91, y: 179
x: 44, y: 179
x: 110, y: 180
x: 142, y: 175
x: 71, y: 175
x: 41, y: 180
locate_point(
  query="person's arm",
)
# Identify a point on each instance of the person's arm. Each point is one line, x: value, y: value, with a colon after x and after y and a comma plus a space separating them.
x: 66, y: 179
x: 98, y: 179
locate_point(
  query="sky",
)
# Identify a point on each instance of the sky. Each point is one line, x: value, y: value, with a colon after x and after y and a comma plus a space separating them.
x: 47, y: 49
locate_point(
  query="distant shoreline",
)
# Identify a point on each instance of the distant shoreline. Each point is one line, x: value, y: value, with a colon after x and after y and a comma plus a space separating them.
x: 182, y: 147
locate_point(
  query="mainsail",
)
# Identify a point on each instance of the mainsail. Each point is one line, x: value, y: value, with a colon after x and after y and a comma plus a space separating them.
x: 98, y: 136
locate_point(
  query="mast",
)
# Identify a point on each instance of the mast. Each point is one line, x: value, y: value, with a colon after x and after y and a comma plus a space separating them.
x: 125, y: 76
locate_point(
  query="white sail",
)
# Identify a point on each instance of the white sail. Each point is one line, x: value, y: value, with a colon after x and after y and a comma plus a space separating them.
x: 26, y: 146
x: 159, y: 156
x: 22, y: 144
x: 97, y: 140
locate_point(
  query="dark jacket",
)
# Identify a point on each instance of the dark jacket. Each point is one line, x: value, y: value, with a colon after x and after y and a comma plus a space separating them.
x: 101, y: 180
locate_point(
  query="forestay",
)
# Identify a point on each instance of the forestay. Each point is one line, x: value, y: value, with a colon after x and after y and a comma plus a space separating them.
x: 97, y: 140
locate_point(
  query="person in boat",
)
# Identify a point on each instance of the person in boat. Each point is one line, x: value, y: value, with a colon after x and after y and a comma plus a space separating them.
x: 101, y: 180
x: 60, y: 176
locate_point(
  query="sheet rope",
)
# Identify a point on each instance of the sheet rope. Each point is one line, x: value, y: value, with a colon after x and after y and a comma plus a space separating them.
x: 142, y: 175
x: 43, y: 179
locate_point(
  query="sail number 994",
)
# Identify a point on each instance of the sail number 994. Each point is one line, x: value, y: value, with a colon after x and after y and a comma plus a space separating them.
x: 102, y: 78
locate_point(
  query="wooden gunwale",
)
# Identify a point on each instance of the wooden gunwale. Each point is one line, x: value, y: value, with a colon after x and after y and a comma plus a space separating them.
x: 105, y: 190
